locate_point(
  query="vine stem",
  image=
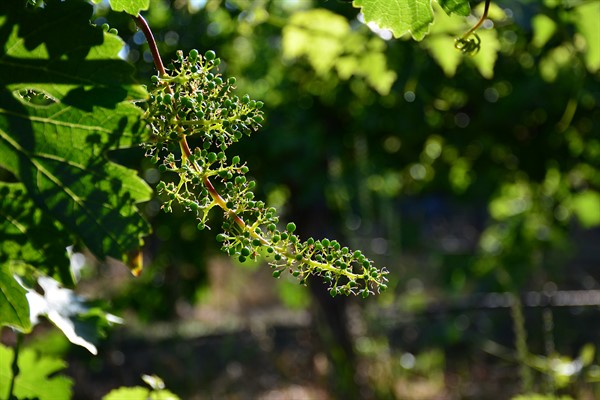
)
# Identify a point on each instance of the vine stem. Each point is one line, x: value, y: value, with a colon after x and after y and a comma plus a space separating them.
x: 478, y: 24
x: 143, y: 25
x: 15, y: 366
x: 187, y: 153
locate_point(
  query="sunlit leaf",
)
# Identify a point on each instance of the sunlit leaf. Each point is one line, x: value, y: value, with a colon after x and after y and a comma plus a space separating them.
x: 587, y: 22
x: 328, y: 42
x: 543, y: 29
x: 586, y: 206
x: 132, y: 7
x: 401, y: 17
x: 37, y: 378
x: 14, y: 309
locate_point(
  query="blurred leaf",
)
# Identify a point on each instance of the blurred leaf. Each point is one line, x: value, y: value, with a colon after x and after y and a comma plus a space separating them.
x: 543, y: 29
x: 587, y: 22
x: 128, y: 393
x: 587, y: 353
x: 515, y: 198
x: 37, y: 378
x: 81, y: 323
x: 328, y: 42
x: 586, y: 206
x: 446, y: 29
x: 14, y: 309
x: 318, y: 35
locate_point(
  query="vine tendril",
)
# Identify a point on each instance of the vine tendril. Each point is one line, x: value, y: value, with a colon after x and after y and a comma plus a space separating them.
x: 472, y: 45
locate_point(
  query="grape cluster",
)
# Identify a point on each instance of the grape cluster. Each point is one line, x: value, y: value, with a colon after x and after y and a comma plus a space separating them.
x: 192, y: 100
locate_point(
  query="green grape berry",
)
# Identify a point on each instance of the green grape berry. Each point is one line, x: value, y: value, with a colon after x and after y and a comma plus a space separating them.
x: 210, y: 55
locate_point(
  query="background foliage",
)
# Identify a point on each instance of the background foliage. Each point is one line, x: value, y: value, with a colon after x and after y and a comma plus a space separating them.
x: 464, y: 175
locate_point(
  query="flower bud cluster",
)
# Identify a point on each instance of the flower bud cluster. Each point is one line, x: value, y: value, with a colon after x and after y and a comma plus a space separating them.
x: 193, y: 101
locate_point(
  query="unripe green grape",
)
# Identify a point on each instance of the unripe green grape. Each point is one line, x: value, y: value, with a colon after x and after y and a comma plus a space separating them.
x: 259, y: 104
x: 105, y: 27
x: 217, y: 62
x: 291, y: 227
x: 276, y: 273
x: 221, y: 238
x: 167, y: 98
x: 210, y: 55
x: 245, y: 99
x: 154, y: 79
x: 211, y: 158
x: 235, y: 160
x: 231, y: 80
x: 201, y: 226
x: 218, y: 81
x: 113, y: 31
x: 162, y: 168
x: 193, y: 55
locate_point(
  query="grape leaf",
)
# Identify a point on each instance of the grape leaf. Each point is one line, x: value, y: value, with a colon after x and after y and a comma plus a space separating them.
x: 407, y: 16
x: 401, y: 16
x: 64, y: 105
x: 139, y: 393
x: 30, y: 236
x: 132, y: 7
x: 14, y: 309
x: 37, y: 377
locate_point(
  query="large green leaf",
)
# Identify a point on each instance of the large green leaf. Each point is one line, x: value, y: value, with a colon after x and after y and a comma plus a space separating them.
x: 14, y: 309
x: 407, y: 16
x: 30, y: 236
x: 65, y: 101
x: 37, y: 377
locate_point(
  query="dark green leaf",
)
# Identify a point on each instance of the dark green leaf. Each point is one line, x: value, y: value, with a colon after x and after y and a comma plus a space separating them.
x: 63, y: 105
x: 14, y: 309
x: 30, y: 236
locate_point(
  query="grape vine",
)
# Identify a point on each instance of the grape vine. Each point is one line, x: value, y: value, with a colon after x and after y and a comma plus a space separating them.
x: 192, y: 100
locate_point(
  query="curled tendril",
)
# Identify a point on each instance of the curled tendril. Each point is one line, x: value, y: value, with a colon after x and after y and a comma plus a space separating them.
x: 470, y: 43
x: 470, y: 46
